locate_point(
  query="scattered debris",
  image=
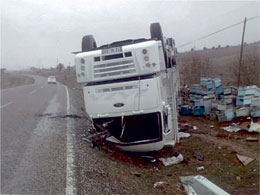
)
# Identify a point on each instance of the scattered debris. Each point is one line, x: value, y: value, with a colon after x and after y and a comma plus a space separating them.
x: 238, y: 178
x: 211, y: 126
x: 150, y: 158
x: 231, y: 128
x: 254, y: 127
x: 86, y: 139
x: 198, y: 156
x: 155, y: 169
x: 252, y: 139
x: 195, y: 128
x: 201, y: 168
x: 137, y: 174
x: 245, y: 159
x: 198, y: 185
x: 159, y: 184
x: 184, y: 135
x: 172, y: 160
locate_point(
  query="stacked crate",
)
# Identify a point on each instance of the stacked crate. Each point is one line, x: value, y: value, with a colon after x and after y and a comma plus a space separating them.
x: 201, y: 95
x: 221, y: 111
x: 255, y: 107
x: 230, y: 94
x: 246, y: 96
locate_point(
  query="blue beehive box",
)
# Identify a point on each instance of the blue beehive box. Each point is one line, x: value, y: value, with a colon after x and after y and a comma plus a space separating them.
x: 197, y: 102
x: 229, y: 114
x: 255, y: 112
x: 243, y: 101
x: 217, y: 82
x: 198, y: 110
x: 185, y: 110
x: 219, y: 90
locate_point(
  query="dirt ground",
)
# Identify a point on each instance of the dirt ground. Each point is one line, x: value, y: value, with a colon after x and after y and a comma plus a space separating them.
x: 14, y: 79
x: 130, y: 173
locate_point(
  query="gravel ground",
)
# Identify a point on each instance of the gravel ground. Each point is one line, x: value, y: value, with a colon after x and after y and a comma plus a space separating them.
x: 96, y: 172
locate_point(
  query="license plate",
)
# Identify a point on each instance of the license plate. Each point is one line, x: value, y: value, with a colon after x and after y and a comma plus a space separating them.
x: 112, y: 50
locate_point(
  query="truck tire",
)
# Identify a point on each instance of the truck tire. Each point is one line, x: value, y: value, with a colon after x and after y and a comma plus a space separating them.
x: 156, y: 33
x: 88, y: 43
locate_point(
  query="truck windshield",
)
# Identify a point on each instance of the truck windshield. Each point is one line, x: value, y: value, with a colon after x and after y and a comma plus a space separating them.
x: 134, y: 128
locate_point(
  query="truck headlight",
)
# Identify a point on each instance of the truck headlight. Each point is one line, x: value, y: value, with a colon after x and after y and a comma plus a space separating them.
x: 146, y: 58
x: 82, y: 61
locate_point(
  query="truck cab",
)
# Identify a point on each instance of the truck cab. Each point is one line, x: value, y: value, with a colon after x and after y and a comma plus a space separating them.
x: 130, y: 90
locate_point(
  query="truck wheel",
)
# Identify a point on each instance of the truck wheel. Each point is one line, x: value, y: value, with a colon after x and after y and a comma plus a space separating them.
x: 156, y: 33
x: 88, y: 43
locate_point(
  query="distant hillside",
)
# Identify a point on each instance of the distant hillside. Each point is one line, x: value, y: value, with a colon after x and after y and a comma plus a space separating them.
x: 218, y: 62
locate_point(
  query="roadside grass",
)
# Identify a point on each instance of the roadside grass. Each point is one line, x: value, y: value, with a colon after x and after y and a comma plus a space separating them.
x: 221, y: 167
x: 10, y: 80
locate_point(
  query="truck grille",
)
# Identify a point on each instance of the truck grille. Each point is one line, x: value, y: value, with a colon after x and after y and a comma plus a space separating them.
x: 119, y: 88
x: 114, y: 69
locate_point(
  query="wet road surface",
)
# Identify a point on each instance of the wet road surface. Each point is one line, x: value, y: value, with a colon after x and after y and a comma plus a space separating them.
x: 34, y: 147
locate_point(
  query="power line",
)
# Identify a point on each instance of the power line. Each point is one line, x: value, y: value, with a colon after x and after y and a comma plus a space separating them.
x: 208, y: 35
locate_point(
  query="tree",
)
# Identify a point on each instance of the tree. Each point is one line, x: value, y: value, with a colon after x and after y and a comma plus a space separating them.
x: 249, y: 70
x: 193, y: 68
x: 60, y: 67
x: 3, y: 70
x: 204, y: 48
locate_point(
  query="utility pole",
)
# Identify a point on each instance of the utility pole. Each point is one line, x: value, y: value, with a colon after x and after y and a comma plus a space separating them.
x: 241, y: 53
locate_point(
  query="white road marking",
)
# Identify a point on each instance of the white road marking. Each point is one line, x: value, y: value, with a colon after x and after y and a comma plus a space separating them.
x: 32, y: 91
x: 70, y: 174
x: 5, y: 105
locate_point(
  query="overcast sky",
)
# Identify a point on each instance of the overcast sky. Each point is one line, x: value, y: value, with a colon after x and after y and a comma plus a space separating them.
x: 39, y: 33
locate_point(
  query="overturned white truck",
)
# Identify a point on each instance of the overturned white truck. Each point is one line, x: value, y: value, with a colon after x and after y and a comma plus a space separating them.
x: 130, y: 90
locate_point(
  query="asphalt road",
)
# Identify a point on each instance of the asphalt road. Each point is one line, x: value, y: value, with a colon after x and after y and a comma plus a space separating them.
x: 36, y: 148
